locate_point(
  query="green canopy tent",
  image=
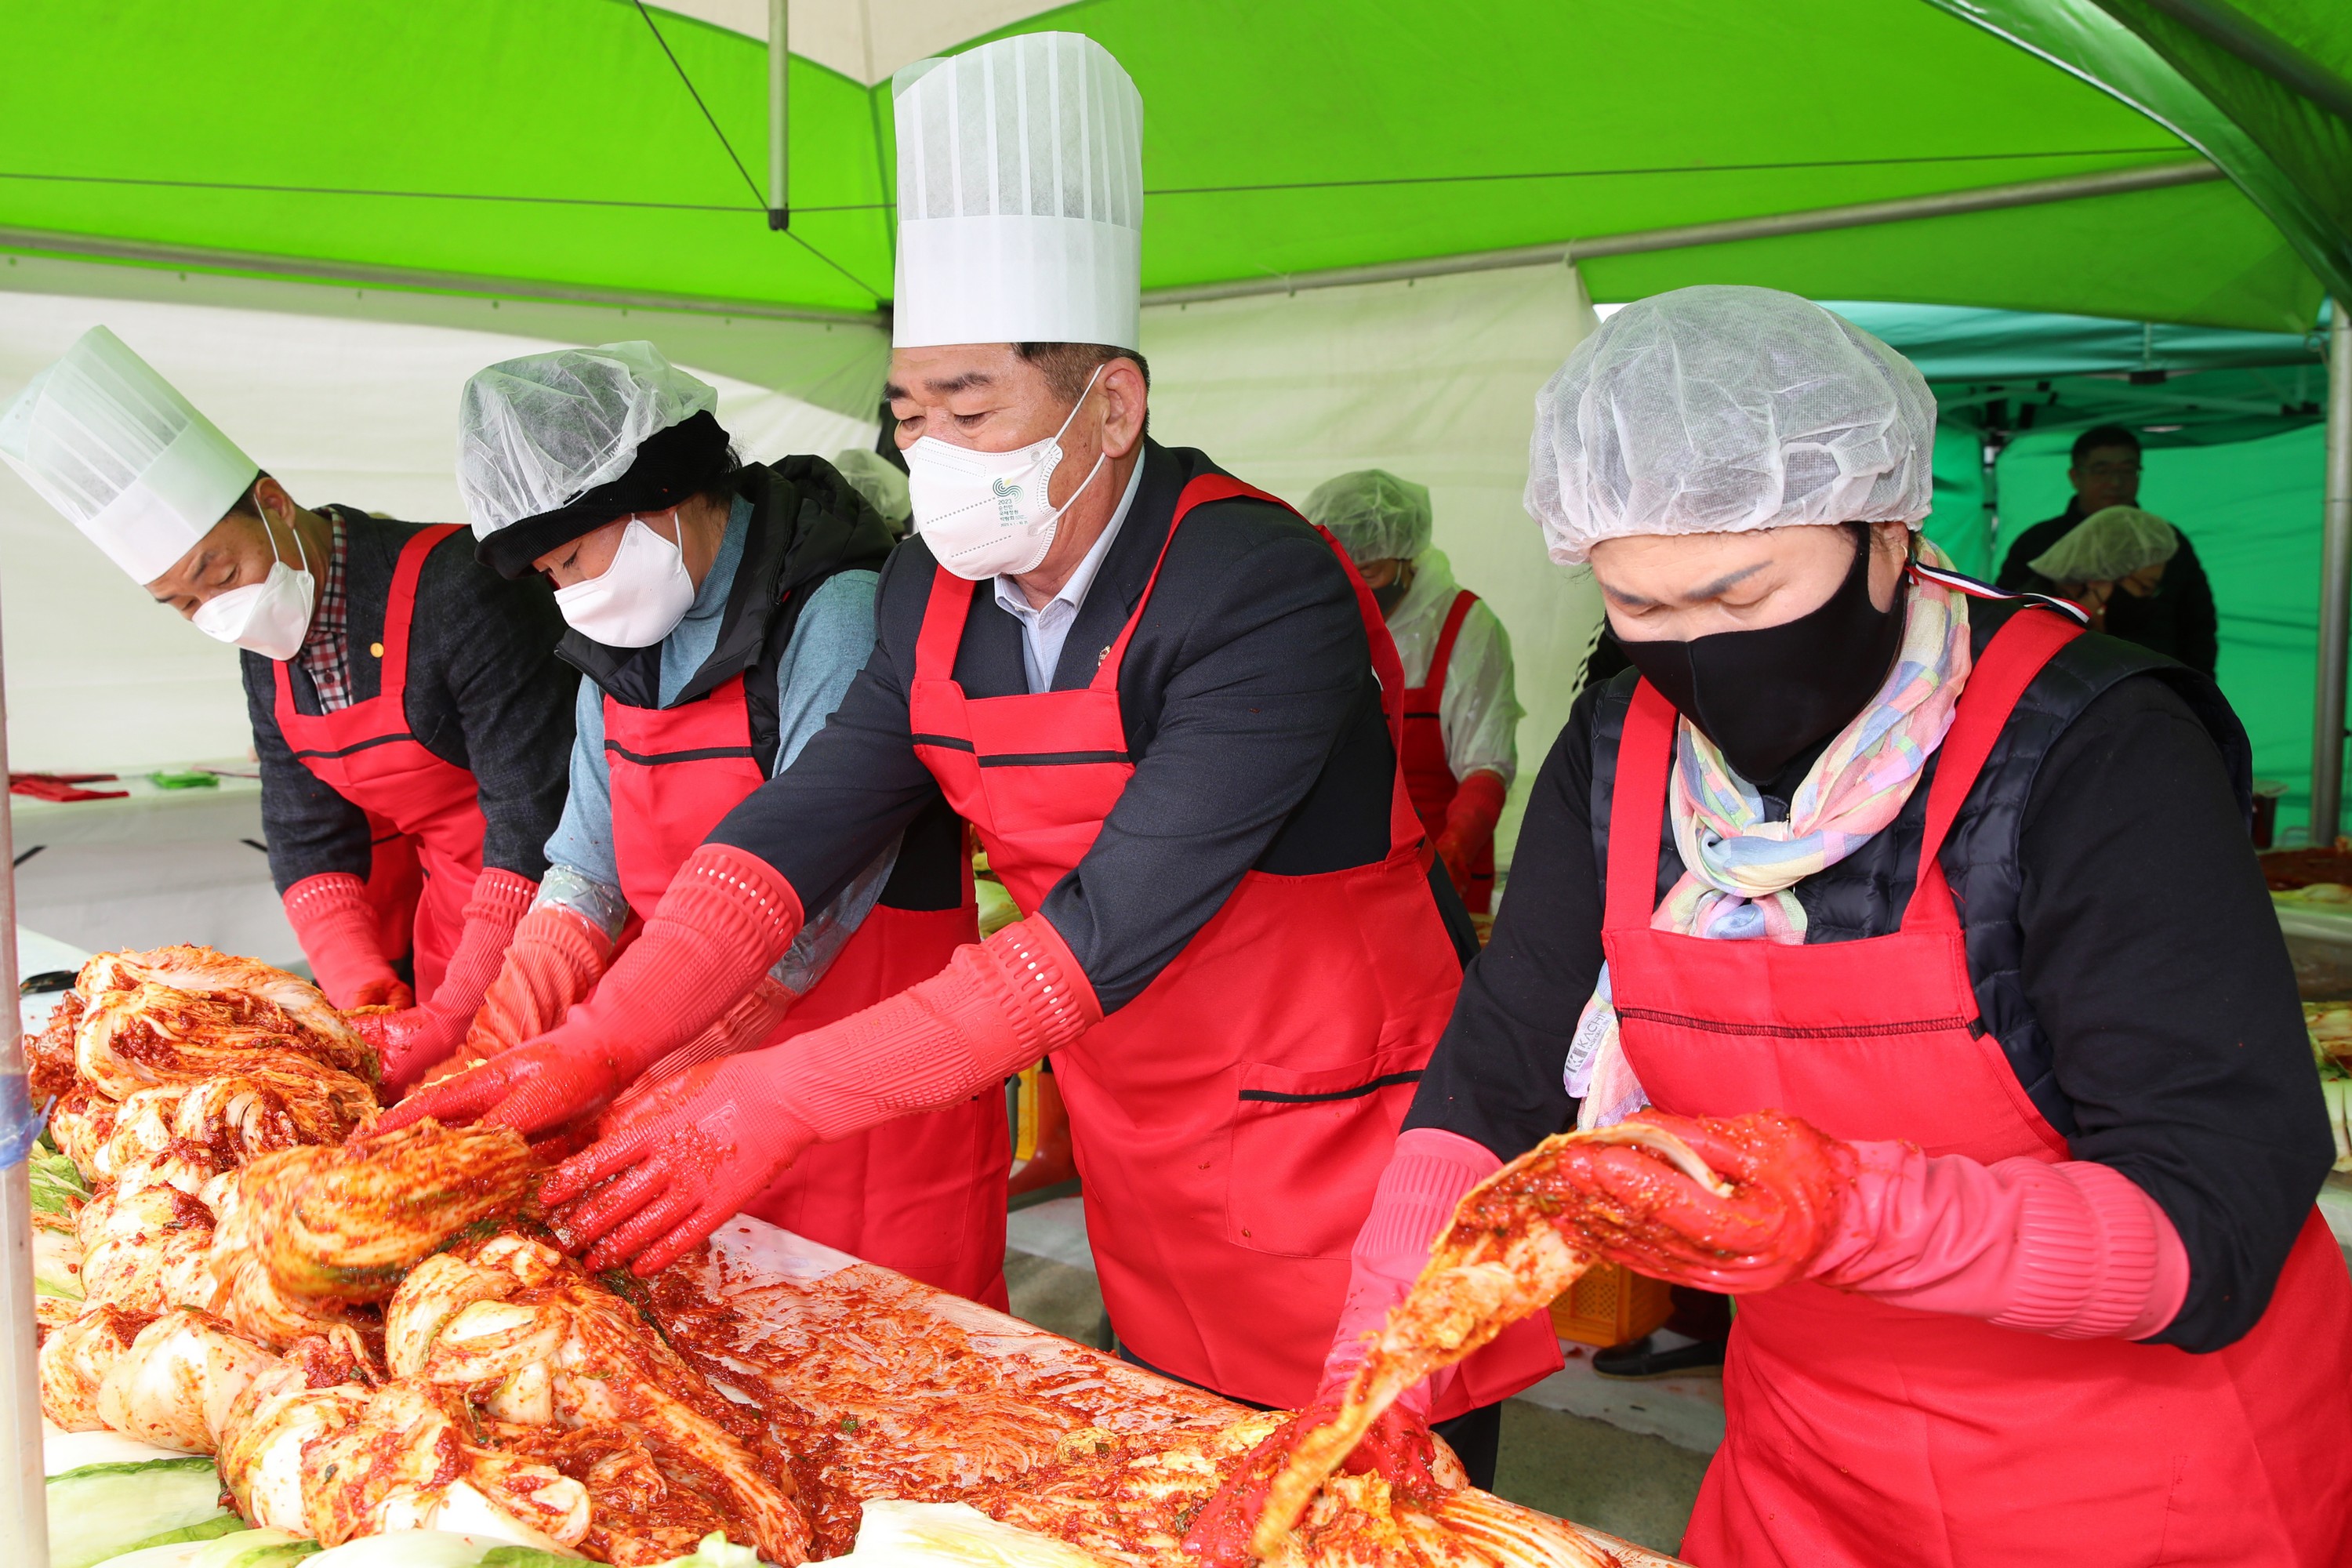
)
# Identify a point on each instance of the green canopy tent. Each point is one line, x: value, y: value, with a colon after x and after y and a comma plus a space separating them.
x: 398, y: 158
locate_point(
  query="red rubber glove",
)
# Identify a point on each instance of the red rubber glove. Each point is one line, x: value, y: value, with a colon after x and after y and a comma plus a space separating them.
x: 555, y: 959
x: 746, y: 1027
x: 411, y: 1042
x: 1469, y: 830
x: 338, y: 933
x: 723, y: 922
x: 1788, y: 1180
x: 701, y: 1146
x: 2075, y: 1249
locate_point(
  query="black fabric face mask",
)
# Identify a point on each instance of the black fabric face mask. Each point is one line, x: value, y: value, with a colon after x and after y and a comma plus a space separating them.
x: 1764, y: 696
x: 1389, y: 596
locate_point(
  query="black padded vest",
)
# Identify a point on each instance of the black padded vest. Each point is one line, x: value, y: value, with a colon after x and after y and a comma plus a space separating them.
x: 1863, y: 895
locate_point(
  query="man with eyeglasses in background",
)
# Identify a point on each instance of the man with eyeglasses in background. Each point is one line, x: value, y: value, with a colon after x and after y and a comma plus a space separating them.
x: 2177, y: 616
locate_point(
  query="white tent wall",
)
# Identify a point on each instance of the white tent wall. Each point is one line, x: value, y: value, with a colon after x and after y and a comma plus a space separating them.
x: 102, y: 679
x: 1435, y: 380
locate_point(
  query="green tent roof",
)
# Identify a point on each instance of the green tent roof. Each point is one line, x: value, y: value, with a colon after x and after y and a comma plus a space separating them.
x: 590, y: 149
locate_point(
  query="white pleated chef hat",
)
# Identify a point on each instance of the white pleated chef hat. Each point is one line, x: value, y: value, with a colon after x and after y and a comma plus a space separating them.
x: 1722, y: 408
x: 126, y: 458
x: 1020, y: 197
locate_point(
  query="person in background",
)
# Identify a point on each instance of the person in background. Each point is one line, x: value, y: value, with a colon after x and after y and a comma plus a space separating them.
x: 2121, y: 550
x: 1157, y: 694
x: 720, y: 611
x: 2179, y: 618
x: 883, y: 484
x: 1461, y: 717
x: 410, y: 717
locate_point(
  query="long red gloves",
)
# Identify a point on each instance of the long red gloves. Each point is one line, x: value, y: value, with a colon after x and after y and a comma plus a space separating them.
x: 411, y: 1041
x: 2072, y: 1250
x: 555, y: 959
x: 725, y: 919
x: 1424, y: 1178
x: 695, y: 1148
x: 339, y: 931
x: 2076, y: 1249
x: 1470, y: 819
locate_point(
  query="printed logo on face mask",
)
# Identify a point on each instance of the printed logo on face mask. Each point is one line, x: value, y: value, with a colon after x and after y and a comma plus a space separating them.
x: 1008, y: 503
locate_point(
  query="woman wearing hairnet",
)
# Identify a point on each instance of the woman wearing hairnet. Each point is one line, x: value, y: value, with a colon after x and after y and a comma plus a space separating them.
x: 720, y: 610
x: 1967, y: 887
x: 1461, y: 718
x: 2117, y: 548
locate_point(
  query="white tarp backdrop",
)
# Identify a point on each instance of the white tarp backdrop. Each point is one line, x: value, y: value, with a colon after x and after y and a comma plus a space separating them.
x: 1434, y: 379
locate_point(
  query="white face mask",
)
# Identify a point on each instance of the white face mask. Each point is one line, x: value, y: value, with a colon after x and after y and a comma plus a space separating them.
x: 271, y: 618
x: 984, y: 514
x: 638, y: 599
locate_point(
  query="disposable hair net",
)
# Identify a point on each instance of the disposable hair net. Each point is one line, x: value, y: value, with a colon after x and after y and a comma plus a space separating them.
x: 535, y: 434
x: 1722, y: 409
x: 1375, y: 515
x: 2109, y: 544
x: 883, y: 485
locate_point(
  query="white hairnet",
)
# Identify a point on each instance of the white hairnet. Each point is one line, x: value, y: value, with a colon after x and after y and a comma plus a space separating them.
x: 535, y: 434
x: 1375, y: 515
x: 2109, y: 544
x: 1719, y: 409
x: 876, y: 479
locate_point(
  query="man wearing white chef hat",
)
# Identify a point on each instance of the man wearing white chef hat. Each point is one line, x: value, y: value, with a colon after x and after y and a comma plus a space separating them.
x: 410, y: 721
x: 1158, y: 695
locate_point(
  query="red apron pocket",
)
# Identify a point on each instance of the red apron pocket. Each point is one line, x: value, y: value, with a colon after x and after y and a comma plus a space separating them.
x: 1298, y: 1134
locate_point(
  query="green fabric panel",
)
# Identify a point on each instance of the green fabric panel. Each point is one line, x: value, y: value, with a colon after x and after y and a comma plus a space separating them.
x: 551, y: 141
x: 2308, y: 145
x: 2081, y: 37
x: 1960, y: 342
x: 1958, y: 523
x: 2253, y: 511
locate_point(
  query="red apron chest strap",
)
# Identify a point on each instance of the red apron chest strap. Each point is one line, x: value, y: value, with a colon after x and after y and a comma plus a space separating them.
x: 1440, y: 659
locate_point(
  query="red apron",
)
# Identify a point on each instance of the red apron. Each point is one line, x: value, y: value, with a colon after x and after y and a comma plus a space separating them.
x: 425, y: 815
x: 1861, y: 1433
x: 1231, y: 1122
x: 923, y: 1194
x: 1428, y: 772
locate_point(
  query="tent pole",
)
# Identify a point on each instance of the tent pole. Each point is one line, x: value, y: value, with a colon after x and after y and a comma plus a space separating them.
x: 780, y: 119
x: 2335, y: 586
x: 24, y: 1503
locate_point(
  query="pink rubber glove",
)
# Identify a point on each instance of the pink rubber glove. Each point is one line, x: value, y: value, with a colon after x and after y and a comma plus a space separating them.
x: 555, y: 959
x: 409, y: 1042
x: 698, y: 1148
x: 722, y: 922
x: 1470, y: 819
x: 1425, y: 1177
x: 2075, y: 1250
x: 338, y: 933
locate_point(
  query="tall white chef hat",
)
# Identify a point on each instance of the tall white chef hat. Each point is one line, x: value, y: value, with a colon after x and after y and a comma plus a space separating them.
x: 1020, y: 197
x: 127, y: 459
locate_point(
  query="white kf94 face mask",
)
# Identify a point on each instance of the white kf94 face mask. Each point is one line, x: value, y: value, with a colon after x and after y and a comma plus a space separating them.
x: 984, y: 514
x: 639, y: 599
x: 271, y: 618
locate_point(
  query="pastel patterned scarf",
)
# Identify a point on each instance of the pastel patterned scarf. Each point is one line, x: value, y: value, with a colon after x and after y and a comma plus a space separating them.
x: 1740, y: 870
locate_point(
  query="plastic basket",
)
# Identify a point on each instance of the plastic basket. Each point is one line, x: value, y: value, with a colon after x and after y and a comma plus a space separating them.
x: 1610, y: 1306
